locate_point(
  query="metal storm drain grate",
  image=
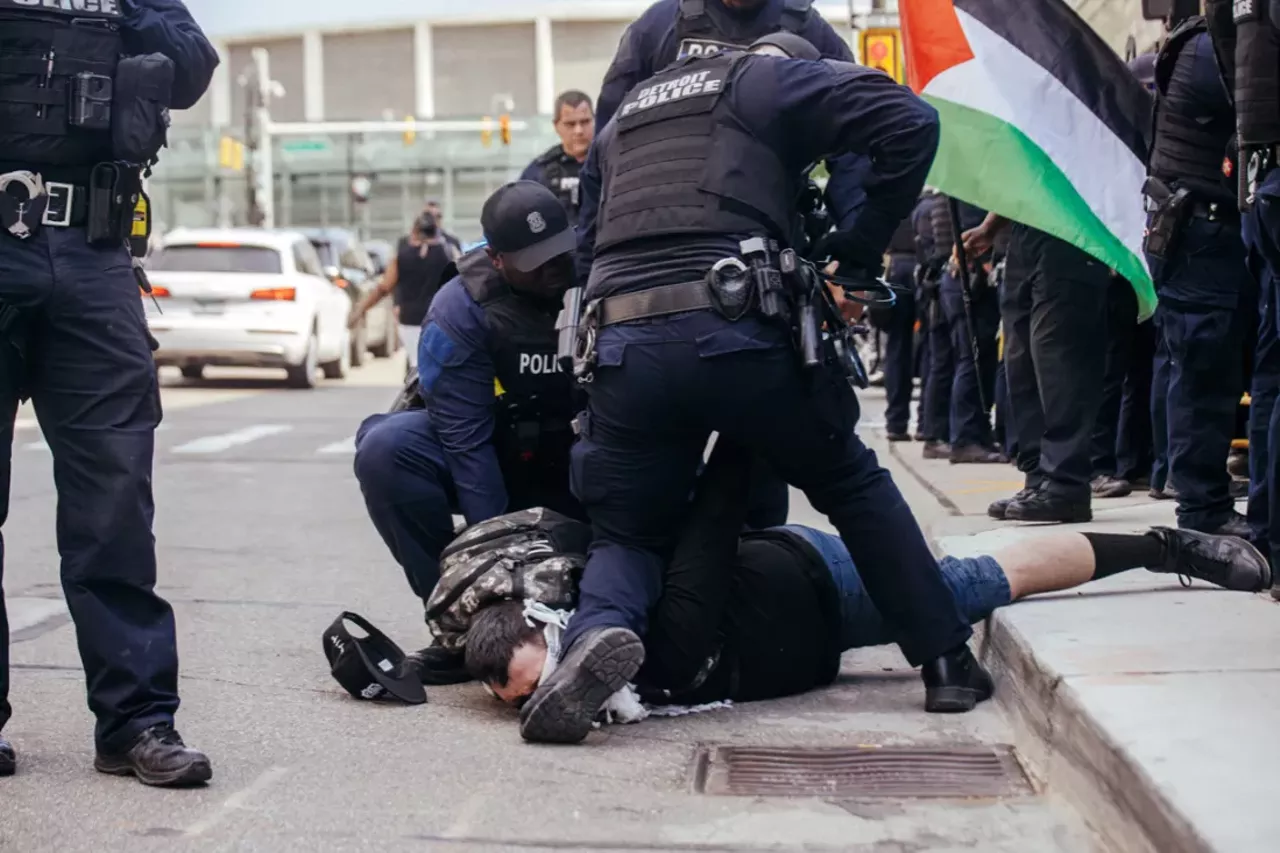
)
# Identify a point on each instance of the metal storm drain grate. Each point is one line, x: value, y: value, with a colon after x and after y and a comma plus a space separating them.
x: 891, y: 771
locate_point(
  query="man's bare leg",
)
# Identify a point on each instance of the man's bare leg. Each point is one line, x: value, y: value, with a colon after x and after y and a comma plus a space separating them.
x: 1060, y: 560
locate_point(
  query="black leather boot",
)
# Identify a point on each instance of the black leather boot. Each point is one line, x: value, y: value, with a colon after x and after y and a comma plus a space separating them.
x: 1000, y: 509
x: 8, y: 758
x: 158, y: 757
x: 599, y: 664
x: 1046, y: 506
x: 937, y: 450
x: 1235, y: 525
x: 955, y: 683
x: 976, y: 454
x: 1226, y: 561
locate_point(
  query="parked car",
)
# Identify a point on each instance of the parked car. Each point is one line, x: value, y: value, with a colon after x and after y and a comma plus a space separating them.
x: 247, y: 298
x: 349, y: 264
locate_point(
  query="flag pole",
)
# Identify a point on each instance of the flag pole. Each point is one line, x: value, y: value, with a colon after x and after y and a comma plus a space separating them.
x: 966, y: 290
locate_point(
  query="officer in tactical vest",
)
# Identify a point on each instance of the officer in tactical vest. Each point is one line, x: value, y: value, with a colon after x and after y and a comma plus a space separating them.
x: 673, y: 29
x: 689, y: 210
x: 495, y: 433
x: 85, y: 89
x: 1197, y: 258
x: 899, y: 327
x: 940, y: 357
x: 557, y: 168
x: 1249, y: 54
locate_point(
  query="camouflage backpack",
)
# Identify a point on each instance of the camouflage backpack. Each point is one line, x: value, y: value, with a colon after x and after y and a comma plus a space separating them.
x: 532, y: 554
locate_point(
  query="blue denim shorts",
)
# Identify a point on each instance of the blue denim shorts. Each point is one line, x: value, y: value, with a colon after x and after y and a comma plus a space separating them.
x: 978, y: 584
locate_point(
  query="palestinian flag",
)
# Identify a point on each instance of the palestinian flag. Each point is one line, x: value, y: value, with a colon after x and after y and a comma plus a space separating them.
x: 1041, y: 122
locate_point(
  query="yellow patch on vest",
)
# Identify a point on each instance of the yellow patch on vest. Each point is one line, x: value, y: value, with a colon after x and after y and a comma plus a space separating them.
x: 498, y: 390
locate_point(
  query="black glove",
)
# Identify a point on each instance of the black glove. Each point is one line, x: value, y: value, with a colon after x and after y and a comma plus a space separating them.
x: 852, y: 253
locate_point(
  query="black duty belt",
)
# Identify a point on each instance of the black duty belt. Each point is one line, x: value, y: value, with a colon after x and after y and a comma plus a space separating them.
x: 67, y: 205
x: 1214, y: 211
x: 654, y: 302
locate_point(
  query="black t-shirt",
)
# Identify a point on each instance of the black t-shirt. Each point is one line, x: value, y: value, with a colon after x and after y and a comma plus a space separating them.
x: 780, y: 634
x: 420, y: 269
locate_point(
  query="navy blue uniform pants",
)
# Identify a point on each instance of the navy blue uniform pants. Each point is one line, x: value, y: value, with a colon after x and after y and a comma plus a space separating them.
x: 1160, y: 409
x: 88, y: 368
x: 1134, y: 442
x: 1262, y: 242
x: 1206, y: 345
x: 658, y: 393
x: 973, y: 388
x: 936, y: 395
x: 1122, y: 351
x: 408, y: 491
x: 1054, y: 304
x: 900, y: 360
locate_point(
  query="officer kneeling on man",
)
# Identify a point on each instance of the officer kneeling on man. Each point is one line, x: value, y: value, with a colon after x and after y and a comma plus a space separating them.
x: 493, y: 432
x: 695, y: 304
x: 85, y: 90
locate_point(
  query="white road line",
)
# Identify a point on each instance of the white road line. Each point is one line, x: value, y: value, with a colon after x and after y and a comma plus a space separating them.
x: 239, y: 800
x: 40, y: 445
x: 347, y: 445
x: 219, y: 443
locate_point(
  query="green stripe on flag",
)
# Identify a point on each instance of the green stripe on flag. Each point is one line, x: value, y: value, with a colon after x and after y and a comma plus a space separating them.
x: 993, y: 165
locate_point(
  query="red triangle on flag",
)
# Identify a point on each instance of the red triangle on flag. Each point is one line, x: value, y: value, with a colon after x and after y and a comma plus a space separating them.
x: 933, y: 40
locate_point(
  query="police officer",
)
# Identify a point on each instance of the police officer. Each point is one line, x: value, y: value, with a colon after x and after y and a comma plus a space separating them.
x: 899, y: 326
x: 701, y: 157
x: 494, y: 435
x: 973, y: 385
x: 673, y: 29
x: 939, y: 357
x: 557, y: 168
x: 1207, y: 296
x: 84, y: 94
x: 1247, y: 52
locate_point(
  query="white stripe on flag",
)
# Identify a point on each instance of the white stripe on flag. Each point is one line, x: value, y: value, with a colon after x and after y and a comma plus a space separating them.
x: 1007, y: 84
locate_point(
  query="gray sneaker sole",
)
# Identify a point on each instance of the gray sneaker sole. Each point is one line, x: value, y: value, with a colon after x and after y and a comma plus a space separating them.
x: 565, y: 712
x: 195, y: 773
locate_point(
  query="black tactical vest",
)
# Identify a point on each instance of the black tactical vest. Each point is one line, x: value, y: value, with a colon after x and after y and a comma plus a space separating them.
x: 696, y: 33
x: 1190, y: 139
x: 44, y: 46
x: 680, y: 163
x: 944, y: 232
x: 1257, y: 75
x: 560, y: 175
x: 534, y: 401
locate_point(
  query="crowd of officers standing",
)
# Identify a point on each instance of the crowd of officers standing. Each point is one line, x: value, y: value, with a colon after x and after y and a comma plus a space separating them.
x: 1159, y: 406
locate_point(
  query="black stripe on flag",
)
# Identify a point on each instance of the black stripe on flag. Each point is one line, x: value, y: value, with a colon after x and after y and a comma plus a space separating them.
x: 1056, y: 39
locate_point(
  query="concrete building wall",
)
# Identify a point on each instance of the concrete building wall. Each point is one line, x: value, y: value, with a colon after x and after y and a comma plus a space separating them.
x: 582, y: 51
x: 475, y: 64
x: 369, y: 75
x: 287, y: 68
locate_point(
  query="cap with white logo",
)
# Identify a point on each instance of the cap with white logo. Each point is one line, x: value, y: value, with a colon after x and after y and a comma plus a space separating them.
x: 526, y: 224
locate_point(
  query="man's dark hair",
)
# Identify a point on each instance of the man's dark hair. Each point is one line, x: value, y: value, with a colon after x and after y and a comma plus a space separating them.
x: 572, y: 99
x: 426, y: 224
x: 495, y: 634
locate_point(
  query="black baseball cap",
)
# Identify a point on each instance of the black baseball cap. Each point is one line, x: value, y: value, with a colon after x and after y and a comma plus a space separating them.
x: 370, y: 667
x: 527, y: 225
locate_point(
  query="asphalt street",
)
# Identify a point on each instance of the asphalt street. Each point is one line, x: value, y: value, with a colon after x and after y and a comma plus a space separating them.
x: 263, y: 541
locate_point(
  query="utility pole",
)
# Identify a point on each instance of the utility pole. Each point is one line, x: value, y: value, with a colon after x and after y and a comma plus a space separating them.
x: 259, y: 88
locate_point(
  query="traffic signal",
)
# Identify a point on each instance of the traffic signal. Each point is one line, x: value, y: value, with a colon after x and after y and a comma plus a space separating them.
x: 231, y: 153
x: 504, y: 126
x: 486, y: 132
x: 410, y: 133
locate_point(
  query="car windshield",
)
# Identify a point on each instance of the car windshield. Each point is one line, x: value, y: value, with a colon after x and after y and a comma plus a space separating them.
x: 327, y: 251
x: 216, y: 258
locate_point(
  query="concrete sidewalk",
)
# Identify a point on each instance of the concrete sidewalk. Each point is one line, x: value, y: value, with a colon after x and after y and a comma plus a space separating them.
x: 1150, y: 705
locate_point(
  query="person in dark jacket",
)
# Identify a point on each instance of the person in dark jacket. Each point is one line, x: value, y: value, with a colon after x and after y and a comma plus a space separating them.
x: 557, y: 168
x: 773, y: 611
x: 69, y: 299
